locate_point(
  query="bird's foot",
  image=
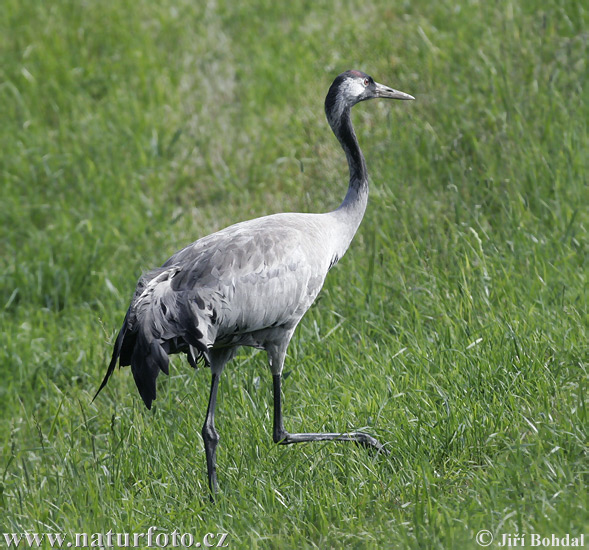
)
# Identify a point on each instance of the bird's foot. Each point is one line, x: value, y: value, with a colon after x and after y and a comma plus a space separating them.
x: 360, y: 438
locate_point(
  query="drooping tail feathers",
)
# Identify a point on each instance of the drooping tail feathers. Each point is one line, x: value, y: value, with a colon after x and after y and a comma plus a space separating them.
x: 160, y: 321
x: 115, y: 356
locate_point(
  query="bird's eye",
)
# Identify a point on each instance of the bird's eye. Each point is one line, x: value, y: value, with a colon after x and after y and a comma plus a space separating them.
x: 366, y: 82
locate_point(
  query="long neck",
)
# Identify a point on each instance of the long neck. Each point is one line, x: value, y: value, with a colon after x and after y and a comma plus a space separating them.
x: 344, y: 132
x: 352, y: 209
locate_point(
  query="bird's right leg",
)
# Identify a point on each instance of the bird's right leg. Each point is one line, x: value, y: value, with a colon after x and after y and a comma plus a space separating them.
x: 276, y: 355
x: 282, y: 437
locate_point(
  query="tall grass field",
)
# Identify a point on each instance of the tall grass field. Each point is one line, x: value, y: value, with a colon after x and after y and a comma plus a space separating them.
x: 454, y: 330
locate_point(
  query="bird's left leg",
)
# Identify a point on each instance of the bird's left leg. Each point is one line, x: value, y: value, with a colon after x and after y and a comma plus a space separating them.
x: 282, y: 437
x: 209, y: 433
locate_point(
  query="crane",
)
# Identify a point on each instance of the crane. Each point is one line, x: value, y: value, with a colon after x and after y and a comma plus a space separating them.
x: 249, y: 285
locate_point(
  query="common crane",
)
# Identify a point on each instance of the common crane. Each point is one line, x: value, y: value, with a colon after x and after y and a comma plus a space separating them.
x: 248, y: 285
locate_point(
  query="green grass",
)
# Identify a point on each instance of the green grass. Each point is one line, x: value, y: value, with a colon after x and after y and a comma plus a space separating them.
x: 455, y: 329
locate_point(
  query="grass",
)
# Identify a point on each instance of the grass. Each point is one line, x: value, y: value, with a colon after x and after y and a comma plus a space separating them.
x: 455, y: 329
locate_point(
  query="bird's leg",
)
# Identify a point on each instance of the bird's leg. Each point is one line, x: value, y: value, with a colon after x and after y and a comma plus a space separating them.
x: 279, y: 434
x: 282, y: 437
x: 211, y: 437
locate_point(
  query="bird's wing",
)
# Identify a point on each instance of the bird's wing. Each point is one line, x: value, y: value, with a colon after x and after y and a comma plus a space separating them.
x: 260, y: 274
x: 257, y: 274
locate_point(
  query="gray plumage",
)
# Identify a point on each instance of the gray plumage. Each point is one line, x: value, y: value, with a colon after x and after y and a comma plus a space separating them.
x: 248, y: 284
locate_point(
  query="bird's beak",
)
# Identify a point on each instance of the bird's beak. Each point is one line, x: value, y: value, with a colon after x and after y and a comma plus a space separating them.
x: 385, y: 91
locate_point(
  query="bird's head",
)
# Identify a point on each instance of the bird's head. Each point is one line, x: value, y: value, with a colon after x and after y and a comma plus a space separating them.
x: 352, y: 87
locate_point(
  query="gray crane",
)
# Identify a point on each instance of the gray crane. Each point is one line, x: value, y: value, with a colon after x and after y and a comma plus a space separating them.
x: 249, y: 285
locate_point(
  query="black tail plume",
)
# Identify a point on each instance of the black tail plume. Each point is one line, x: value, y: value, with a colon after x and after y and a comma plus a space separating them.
x: 115, y: 355
x: 147, y: 361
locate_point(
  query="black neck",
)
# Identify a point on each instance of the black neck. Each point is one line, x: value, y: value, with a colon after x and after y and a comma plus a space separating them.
x: 350, y: 212
x: 344, y: 132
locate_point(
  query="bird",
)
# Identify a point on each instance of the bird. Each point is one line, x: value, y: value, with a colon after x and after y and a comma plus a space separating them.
x: 249, y: 284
